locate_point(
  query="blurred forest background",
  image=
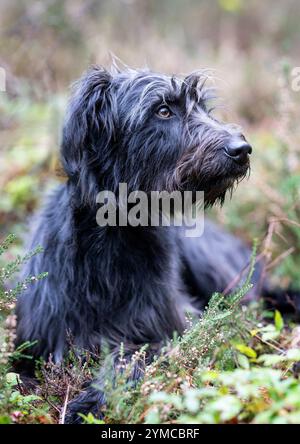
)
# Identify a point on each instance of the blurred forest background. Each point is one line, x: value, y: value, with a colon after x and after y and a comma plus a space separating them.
x: 252, y: 47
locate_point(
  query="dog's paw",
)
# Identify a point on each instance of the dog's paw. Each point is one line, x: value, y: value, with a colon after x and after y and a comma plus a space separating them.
x: 84, y: 404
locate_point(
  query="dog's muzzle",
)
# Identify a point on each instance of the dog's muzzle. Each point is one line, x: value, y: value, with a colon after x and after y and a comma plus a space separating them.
x: 238, y: 149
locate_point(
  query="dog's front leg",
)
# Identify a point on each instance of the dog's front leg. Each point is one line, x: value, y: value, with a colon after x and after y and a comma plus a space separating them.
x: 92, y: 400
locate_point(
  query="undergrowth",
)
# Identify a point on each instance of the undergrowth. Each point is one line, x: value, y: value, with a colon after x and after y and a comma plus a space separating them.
x: 16, y: 403
x: 229, y: 366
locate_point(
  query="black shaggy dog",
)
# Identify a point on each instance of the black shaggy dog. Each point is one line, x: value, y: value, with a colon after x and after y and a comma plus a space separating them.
x: 130, y: 284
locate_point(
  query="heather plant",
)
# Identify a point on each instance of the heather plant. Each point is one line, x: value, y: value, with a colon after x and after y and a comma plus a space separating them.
x: 15, y: 404
x: 229, y: 366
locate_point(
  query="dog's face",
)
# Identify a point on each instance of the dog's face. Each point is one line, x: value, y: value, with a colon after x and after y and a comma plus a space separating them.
x: 153, y: 132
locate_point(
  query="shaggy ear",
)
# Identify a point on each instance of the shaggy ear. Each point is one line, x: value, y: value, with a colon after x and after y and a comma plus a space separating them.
x: 88, y: 129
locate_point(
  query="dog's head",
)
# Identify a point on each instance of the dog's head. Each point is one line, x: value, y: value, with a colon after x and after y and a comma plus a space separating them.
x: 151, y: 131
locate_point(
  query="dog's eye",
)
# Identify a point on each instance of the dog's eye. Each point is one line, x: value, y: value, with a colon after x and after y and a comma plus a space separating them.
x: 164, y: 112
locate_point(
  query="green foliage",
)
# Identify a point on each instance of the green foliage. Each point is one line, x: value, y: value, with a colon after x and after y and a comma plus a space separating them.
x: 15, y: 404
x: 227, y: 367
x: 230, y: 366
x: 256, y: 395
x: 13, y: 267
x: 209, y: 376
x: 90, y: 419
x: 279, y: 323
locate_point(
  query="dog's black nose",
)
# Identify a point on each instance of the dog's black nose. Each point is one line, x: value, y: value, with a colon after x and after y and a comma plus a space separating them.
x: 238, y: 149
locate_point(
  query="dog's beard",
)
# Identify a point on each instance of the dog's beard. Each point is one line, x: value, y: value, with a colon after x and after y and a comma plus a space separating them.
x: 216, y: 189
x: 216, y: 193
x: 214, y: 174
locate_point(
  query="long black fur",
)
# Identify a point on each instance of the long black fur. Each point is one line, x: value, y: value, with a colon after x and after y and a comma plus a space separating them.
x: 129, y: 284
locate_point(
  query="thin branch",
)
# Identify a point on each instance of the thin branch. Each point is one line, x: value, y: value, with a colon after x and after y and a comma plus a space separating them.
x: 63, y: 414
x: 280, y: 258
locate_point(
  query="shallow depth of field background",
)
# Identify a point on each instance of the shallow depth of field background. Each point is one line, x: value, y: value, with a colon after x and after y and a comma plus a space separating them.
x: 252, y: 47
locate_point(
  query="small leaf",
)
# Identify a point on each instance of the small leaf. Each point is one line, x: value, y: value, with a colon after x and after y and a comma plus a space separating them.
x: 5, y: 419
x: 269, y: 332
x: 12, y: 378
x: 227, y: 407
x: 152, y: 417
x: 279, y: 323
x: 270, y: 360
x: 270, y: 336
x: 90, y: 419
x: 243, y: 361
x: 245, y: 350
x: 293, y: 354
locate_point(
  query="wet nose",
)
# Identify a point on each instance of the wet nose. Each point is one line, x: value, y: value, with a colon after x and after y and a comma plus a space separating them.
x: 238, y: 149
